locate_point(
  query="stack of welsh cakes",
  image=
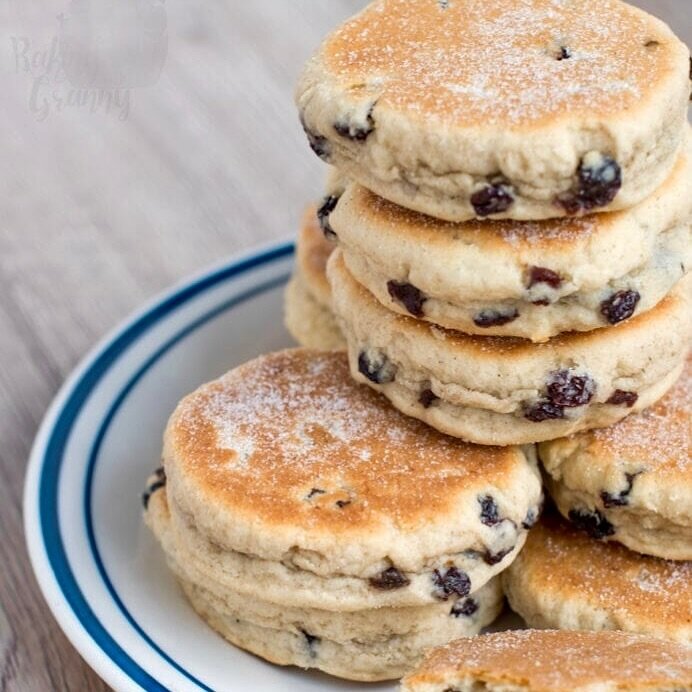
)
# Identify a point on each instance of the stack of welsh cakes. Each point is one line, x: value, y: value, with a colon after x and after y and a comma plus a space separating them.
x: 510, y: 233
x: 515, y: 235
x: 506, y: 239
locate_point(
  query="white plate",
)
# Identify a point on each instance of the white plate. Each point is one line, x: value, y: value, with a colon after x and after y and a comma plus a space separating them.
x: 100, y: 570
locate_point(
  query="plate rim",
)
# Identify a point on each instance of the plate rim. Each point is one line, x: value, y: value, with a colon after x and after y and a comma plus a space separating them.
x: 138, y: 322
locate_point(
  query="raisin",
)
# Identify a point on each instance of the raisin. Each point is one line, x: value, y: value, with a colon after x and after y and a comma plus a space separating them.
x: 427, y: 398
x: 312, y: 642
x: 494, y: 318
x: 543, y: 275
x: 313, y: 492
x: 620, y: 397
x: 570, y: 203
x: 325, y: 209
x: 379, y: 370
x: 491, y: 558
x: 146, y: 495
x: 318, y: 143
x: 453, y: 581
x: 390, y: 579
x: 492, y: 199
x: 564, y: 54
x: 530, y: 519
x: 599, y: 179
x: 620, y: 306
x: 157, y: 484
x: 620, y: 499
x: 543, y: 410
x: 569, y: 391
x: 342, y: 503
x: 594, y: 523
x: 467, y: 608
x: 565, y: 390
x: 354, y: 131
x: 408, y: 295
x: 542, y: 301
x: 490, y: 514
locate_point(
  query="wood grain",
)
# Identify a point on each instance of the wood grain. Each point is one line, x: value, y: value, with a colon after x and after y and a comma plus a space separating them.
x: 97, y: 213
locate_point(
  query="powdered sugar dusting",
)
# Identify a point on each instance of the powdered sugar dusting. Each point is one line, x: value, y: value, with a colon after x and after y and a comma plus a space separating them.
x: 271, y: 431
x: 561, y: 660
x: 607, y: 577
x: 654, y: 582
x: 496, y: 61
x: 661, y: 436
x: 541, y: 232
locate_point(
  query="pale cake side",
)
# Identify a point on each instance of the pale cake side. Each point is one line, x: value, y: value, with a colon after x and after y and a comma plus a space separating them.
x: 312, y: 252
x: 493, y: 390
x: 632, y: 482
x: 369, y: 643
x: 527, y: 279
x: 308, y: 314
x: 477, y: 108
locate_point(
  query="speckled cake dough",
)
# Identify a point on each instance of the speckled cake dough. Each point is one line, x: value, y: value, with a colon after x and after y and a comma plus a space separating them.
x: 307, y: 303
x: 554, y: 661
x: 292, y: 583
x: 493, y: 390
x: 288, y: 481
x: 631, y: 482
x: 510, y: 278
x: 567, y: 580
x: 484, y: 108
x: 450, y: 617
x: 369, y: 644
x: 368, y: 660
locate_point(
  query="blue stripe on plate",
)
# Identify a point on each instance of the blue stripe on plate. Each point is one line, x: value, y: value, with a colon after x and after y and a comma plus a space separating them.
x: 59, y: 436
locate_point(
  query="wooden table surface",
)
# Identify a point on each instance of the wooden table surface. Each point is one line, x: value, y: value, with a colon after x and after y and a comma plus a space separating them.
x: 104, y: 203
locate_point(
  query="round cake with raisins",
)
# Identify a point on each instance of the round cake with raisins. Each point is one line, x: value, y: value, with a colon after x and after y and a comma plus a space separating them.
x: 364, y: 644
x: 565, y: 578
x: 525, y: 279
x: 464, y: 109
x: 554, y: 661
x: 307, y: 302
x: 502, y: 390
x: 632, y: 482
x: 311, y: 523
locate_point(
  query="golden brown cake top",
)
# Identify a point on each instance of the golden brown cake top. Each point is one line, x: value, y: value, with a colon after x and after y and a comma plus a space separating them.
x: 506, y: 233
x: 479, y: 62
x: 289, y: 439
x: 558, y: 660
x: 566, y: 563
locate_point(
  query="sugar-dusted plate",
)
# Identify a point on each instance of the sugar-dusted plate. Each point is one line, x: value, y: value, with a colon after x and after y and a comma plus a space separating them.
x: 100, y: 571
